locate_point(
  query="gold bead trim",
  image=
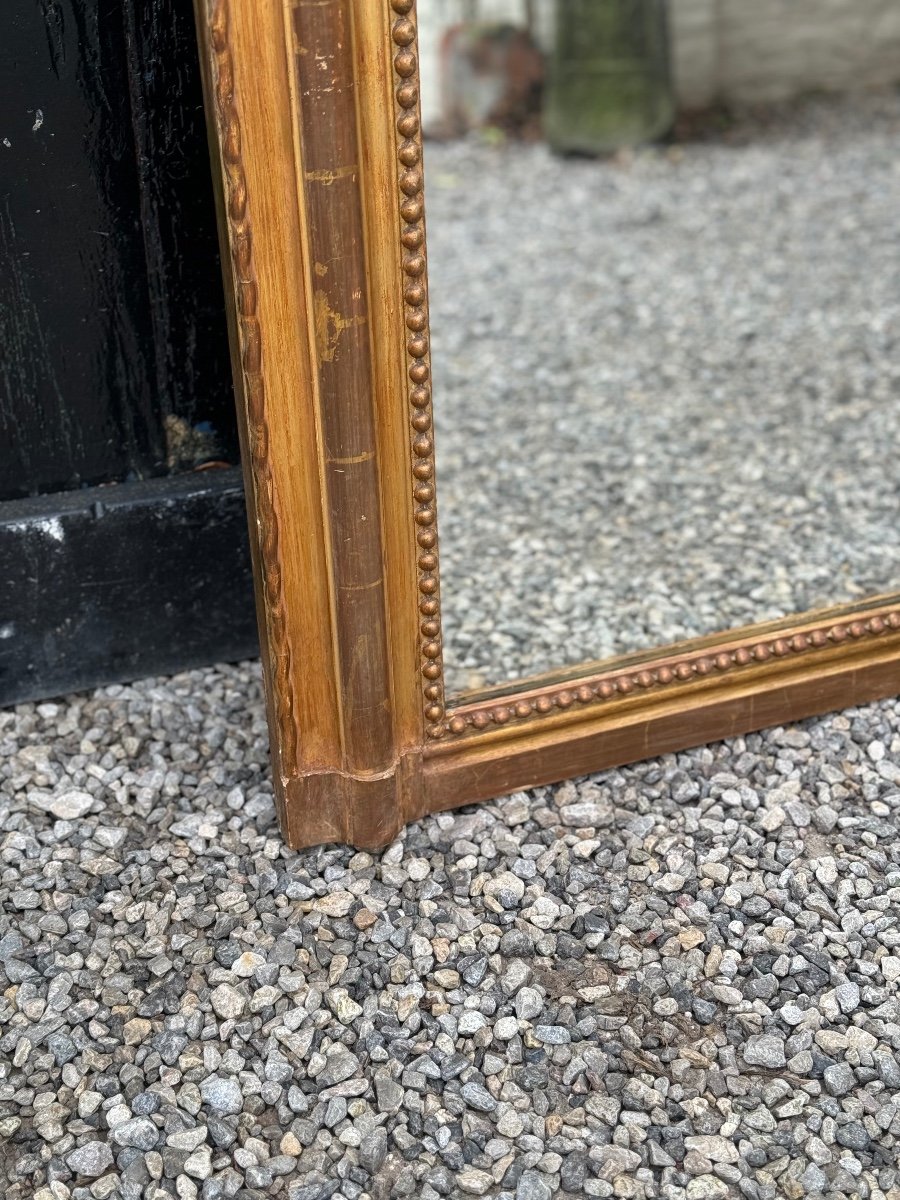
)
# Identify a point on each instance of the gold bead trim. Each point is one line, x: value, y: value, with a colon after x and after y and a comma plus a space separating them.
x: 701, y: 665
x: 408, y: 124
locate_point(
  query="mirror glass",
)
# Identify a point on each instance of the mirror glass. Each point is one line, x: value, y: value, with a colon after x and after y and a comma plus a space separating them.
x: 664, y: 258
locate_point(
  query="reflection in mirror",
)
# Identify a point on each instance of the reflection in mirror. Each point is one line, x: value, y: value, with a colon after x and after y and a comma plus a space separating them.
x: 666, y: 376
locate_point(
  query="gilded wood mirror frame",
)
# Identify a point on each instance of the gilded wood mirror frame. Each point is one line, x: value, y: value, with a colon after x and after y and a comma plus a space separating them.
x: 315, y: 128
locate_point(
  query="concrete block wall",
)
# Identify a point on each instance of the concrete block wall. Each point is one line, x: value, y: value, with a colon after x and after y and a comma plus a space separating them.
x: 775, y: 49
x: 740, y: 51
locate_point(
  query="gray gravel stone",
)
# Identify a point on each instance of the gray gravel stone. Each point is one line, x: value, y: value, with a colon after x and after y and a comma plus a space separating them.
x: 658, y: 1157
x: 764, y: 1050
x: 478, y: 1097
x: 573, y: 1173
x: 888, y: 1069
x: 552, y: 1035
x: 222, y: 1095
x: 814, y: 1179
x: 389, y: 1094
x: 139, y: 1132
x: 529, y: 1004
x: 532, y: 1187
x: 90, y: 1159
x: 853, y: 1135
x: 373, y: 1150
x: 847, y: 995
x: 340, y: 1064
x: 839, y: 1079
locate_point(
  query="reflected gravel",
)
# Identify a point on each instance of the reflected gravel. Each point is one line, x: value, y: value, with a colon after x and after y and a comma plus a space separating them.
x: 667, y: 386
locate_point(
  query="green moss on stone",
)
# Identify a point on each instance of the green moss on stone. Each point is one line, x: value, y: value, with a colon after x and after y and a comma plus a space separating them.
x: 609, y: 82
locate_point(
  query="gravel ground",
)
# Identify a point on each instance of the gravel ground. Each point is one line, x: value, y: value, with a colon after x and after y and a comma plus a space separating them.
x: 678, y: 980
x: 667, y: 386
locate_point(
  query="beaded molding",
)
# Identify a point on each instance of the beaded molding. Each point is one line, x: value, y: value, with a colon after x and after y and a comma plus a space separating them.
x: 691, y: 666
x: 251, y: 351
x: 408, y: 125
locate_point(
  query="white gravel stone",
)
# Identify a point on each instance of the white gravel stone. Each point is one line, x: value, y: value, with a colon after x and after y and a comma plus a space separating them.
x: 227, y: 1001
x: 473, y: 1182
x: 506, y: 1028
x: 826, y: 870
x: 529, y: 1004
x: 671, y: 882
x: 67, y: 806
x: 505, y: 887
x: 707, y: 1187
x: 616, y: 1161
x: 584, y: 815
x: 470, y: 1022
x: 199, y: 1164
x: 773, y: 818
x: 247, y: 964
x: 343, y: 1006
x: 716, y: 1149
x: 188, y: 1139
x: 139, y: 1132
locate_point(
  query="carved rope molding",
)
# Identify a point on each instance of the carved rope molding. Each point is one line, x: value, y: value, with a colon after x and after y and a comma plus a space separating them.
x: 699, y: 665
x: 415, y: 296
x: 251, y: 353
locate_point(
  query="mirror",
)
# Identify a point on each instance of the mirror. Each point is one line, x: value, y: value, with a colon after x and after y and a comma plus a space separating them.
x: 666, y: 373
x: 662, y: 374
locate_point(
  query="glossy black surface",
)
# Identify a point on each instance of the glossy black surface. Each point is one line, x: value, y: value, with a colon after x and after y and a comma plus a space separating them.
x: 111, y: 307
x: 107, y: 584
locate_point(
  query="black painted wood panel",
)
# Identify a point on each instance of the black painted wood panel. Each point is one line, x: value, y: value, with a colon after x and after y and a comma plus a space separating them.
x: 114, y: 361
x: 115, y: 583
